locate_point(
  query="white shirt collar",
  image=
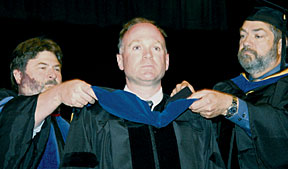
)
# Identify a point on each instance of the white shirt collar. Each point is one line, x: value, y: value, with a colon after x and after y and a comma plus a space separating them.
x: 156, y: 98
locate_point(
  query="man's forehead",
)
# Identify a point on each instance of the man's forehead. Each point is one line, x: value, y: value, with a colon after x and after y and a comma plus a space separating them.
x: 255, y: 26
x: 141, y: 31
x: 144, y: 29
x: 45, y: 57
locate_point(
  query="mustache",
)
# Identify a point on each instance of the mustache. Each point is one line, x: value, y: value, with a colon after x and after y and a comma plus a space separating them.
x: 51, y: 82
x: 246, y: 49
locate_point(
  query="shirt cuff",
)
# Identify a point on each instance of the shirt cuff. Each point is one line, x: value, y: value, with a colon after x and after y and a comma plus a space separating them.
x: 241, y: 118
x: 37, y: 129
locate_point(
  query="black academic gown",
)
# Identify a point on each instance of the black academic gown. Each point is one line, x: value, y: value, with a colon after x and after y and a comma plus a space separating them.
x: 100, y: 140
x: 17, y: 148
x: 268, y: 114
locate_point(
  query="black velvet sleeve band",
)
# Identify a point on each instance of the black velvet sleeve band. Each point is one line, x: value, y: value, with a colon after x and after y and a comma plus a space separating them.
x: 80, y: 159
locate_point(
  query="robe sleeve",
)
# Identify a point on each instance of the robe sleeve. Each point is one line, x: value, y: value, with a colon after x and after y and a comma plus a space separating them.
x: 79, y: 150
x: 269, y: 128
x: 18, y: 149
x: 268, y: 116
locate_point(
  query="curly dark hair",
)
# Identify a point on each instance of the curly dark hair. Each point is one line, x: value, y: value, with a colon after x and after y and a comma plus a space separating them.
x: 28, y: 50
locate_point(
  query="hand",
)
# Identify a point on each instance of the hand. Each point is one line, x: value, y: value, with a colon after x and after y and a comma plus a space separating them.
x: 211, y: 103
x: 76, y: 93
x: 181, y: 86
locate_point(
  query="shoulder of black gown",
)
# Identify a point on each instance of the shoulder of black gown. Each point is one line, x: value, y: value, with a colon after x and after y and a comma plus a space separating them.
x: 6, y: 93
x: 18, y: 149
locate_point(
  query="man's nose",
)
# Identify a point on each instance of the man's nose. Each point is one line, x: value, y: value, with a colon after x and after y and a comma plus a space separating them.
x: 247, y: 41
x: 52, y: 74
x: 147, y: 53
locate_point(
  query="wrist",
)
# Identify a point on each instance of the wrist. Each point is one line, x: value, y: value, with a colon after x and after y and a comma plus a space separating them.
x: 233, y: 108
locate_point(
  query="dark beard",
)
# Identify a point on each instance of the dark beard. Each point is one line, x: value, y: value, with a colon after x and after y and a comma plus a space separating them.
x: 34, y: 86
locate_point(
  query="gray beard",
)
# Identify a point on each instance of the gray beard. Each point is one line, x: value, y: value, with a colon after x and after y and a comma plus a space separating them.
x: 260, y: 63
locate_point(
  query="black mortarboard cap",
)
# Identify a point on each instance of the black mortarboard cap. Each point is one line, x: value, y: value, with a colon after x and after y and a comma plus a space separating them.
x: 268, y: 15
x: 276, y: 16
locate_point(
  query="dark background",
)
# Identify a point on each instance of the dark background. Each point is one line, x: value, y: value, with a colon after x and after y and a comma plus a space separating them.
x: 202, y: 36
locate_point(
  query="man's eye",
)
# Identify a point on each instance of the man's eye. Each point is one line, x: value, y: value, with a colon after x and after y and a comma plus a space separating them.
x: 42, y: 68
x: 136, y: 48
x: 258, y: 36
x: 58, y: 69
x: 157, y: 48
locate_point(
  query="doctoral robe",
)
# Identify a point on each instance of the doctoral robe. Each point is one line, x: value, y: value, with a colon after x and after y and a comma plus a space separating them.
x: 98, y: 139
x: 18, y: 149
x: 267, y: 102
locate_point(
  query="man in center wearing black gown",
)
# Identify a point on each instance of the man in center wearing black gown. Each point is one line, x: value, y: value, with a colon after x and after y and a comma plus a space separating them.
x: 98, y: 139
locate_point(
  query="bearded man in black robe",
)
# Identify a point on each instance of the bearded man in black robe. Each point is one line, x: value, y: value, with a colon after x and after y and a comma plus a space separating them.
x: 252, y: 109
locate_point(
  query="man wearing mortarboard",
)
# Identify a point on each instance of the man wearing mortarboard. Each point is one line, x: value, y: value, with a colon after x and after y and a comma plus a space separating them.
x: 253, y: 107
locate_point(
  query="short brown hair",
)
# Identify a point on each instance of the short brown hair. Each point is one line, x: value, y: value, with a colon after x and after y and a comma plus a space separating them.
x: 133, y: 22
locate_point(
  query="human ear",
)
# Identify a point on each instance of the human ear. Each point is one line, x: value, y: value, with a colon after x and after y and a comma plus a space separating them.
x: 120, y: 61
x: 167, y: 61
x: 279, y: 47
x: 17, y: 75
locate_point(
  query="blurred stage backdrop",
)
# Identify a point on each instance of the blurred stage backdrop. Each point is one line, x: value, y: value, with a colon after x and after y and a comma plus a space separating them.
x: 202, y: 36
